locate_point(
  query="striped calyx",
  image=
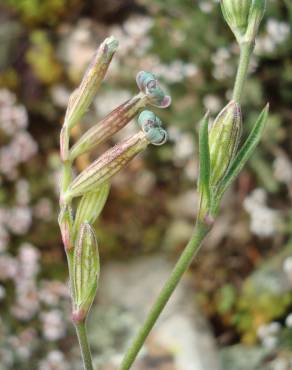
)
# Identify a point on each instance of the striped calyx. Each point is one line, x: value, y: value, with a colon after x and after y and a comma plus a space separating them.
x: 243, y: 17
x: 236, y: 14
x: 107, y: 127
x: 224, y: 137
x: 86, y: 269
x: 150, y: 94
x: 82, y: 97
x: 107, y: 165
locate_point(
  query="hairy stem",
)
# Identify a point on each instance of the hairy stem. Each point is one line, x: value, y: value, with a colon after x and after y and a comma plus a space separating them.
x: 181, y: 266
x: 246, y: 49
x: 84, y: 345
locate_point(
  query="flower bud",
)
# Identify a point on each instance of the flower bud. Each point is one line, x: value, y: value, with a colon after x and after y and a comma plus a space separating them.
x: 236, y: 14
x: 224, y: 137
x: 66, y: 226
x: 257, y: 11
x: 147, y: 83
x: 90, y: 207
x: 86, y: 268
x: 84, y: 94
x: 243, y: 17
x: 106, y: 166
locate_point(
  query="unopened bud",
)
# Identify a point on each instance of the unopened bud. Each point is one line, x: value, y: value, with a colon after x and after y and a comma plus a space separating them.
x: 257, y: 11
x: 148, y: 84
x: 236, y: 14
x: 224, y: 137
x: 86, y: 268
x: 90, y: 206
x: 83, y: 96
x: 66, y: 226
x: 243, y: 17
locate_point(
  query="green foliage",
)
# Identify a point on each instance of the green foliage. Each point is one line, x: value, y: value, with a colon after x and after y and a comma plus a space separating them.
x: 39, y: 11
x: 181, y: 32
x: 265, y: 296
x: 226, y: 299
x: 41, y: 57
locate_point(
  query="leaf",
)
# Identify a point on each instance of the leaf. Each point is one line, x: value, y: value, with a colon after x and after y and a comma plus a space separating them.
x: 204, y: 158
x: 245, y: 152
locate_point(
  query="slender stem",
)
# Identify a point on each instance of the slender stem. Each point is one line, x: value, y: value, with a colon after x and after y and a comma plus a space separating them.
x: 246, y: 49
x: 84, y: 345
x: 181, y: 266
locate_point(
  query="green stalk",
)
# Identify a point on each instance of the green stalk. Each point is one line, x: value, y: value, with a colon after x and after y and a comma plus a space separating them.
x: 84, y: 345
x: 80, y: 326
x: 246, y: 49
x: 180, y: 268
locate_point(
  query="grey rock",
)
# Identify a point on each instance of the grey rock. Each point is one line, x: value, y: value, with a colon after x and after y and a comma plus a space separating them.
x: 240, y: 357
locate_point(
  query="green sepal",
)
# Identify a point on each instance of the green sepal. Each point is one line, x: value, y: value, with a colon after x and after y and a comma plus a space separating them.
x: 204, y: 159
x: 90, y: 207
x: 244, y: 153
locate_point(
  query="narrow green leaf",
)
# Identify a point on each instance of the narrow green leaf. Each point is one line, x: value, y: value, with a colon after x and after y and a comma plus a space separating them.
x: 204, y: 158
x: 245, y: 152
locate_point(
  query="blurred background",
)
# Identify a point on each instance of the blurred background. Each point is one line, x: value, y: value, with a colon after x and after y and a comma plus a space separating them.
x: 232, y: 310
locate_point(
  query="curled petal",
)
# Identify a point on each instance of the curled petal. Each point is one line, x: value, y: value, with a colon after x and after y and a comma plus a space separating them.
x: 149, y: 85
x: 148, y: 120
x: 157, y: 136
x: 151, y: 125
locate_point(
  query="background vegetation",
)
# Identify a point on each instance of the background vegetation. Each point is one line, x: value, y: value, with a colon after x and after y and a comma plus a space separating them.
x: 243, y: 277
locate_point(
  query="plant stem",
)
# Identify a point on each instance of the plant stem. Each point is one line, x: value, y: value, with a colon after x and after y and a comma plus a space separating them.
x: 181, y: 266
x: 246, y: 49
x: 84, y: 345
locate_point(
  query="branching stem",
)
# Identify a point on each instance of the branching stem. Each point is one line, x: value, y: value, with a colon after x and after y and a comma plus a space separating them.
x: 180, y: 268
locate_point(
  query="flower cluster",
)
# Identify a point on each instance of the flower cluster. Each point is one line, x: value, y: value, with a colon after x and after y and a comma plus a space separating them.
x: 92, y: 185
